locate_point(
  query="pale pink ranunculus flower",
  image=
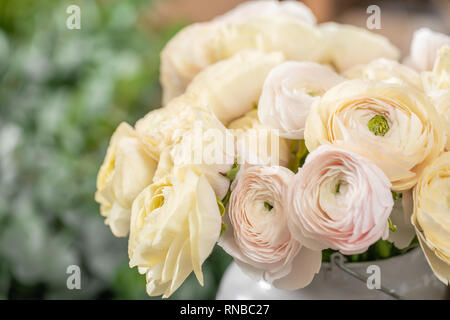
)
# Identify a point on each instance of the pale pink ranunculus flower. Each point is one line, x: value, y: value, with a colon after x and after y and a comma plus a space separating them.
x: 339, y: 200
x: 257, y: 234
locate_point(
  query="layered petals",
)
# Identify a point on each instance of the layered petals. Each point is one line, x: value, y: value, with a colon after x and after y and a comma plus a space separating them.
x: 125, y: 172
x: 348, y: 46
x: 289, y: 91
x: 174, y: 226
x: 394, y: 125
x: 257, y: 235
x: 431, y: 215
x: 339, y: 200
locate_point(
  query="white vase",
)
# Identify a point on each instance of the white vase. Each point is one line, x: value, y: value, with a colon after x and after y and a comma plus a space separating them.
x: 409, y: 275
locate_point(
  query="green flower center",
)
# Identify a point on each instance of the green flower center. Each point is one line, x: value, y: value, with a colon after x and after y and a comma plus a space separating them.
x: 268, y: 206
x: 337, y: 187
x: 313, y: 92
x: 378, y: 125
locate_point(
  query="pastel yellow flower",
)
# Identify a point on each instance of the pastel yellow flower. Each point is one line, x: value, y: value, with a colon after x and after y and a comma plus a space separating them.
x: 296, y: 39
x: 232, y: 87
x: 264, y: 25
x: 441, y: 102
x: 125, y: 172
x: 175, y: 224
x: 349, y: 46
x: 184, y: 56
x: 431, y: 215
x: 257, y: 143
x: 208, y: 152
x: 438, y: 78
x: 394, y: 125
x: 258, y: 8
x: 162, y: 128
x: 437, y: 86
x: 386, y: 70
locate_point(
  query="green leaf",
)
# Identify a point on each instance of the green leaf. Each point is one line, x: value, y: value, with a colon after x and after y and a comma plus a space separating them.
x: 299, y: 154
x: 221, y: 207
x: 223, y: 228
x: 233, y: 171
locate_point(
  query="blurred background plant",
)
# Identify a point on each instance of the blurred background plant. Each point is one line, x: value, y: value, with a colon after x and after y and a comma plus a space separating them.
x: 62, y: 93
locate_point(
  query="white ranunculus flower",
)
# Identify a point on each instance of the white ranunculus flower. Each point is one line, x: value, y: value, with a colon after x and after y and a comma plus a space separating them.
x: 175, y: 224
x: 296, y: 39
x: 125, y: 172
x: 289, y: 91
x: 162, y: 128
x: 439, y: 77
x: 339, y: 200
x: 394, y: 125
x: 432, y: 215
x: 424, y: 48
x: 386, y: 70
x: 437, y: 86
x: 185, y: 55
x: 207, y: 151
x: 257, y: 236
x: 441, y: 101
x: 262, y: 8
x: 257, y: 143
x: 232, y: 87
x: 199, y: 45
x: 349, y: 46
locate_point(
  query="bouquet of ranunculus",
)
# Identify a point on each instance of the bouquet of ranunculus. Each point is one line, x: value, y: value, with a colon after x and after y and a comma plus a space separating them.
x: 280, y: 140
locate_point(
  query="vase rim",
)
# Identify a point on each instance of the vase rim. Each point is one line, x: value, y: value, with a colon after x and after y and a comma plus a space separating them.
x: 366, y: 263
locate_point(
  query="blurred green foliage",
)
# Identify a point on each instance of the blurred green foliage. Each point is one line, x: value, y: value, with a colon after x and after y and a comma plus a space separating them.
x: 62, y: 94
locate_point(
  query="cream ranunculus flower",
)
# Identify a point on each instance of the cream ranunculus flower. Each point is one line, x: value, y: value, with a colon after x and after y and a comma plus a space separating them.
x: 257, y: 235
x: 258, y: 144
x: 437, y: 86
x: 185, y: 55
x: 386, y: 70
x: 289, y: 91
x: 260, y: 25
x: 439, y: 77
x: 339, y: 200
x: 349, y: 46
x: 394, y: 125
x: 263, y: 8
x: 432, y: 215
x: 296, y: 39
x: 424, y: 48
x: 175, y: 224
x: 162, y: 128
x: 205, y: 151
x: 125, y: 172
x: 183, y: 135
x: 232, y: 87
